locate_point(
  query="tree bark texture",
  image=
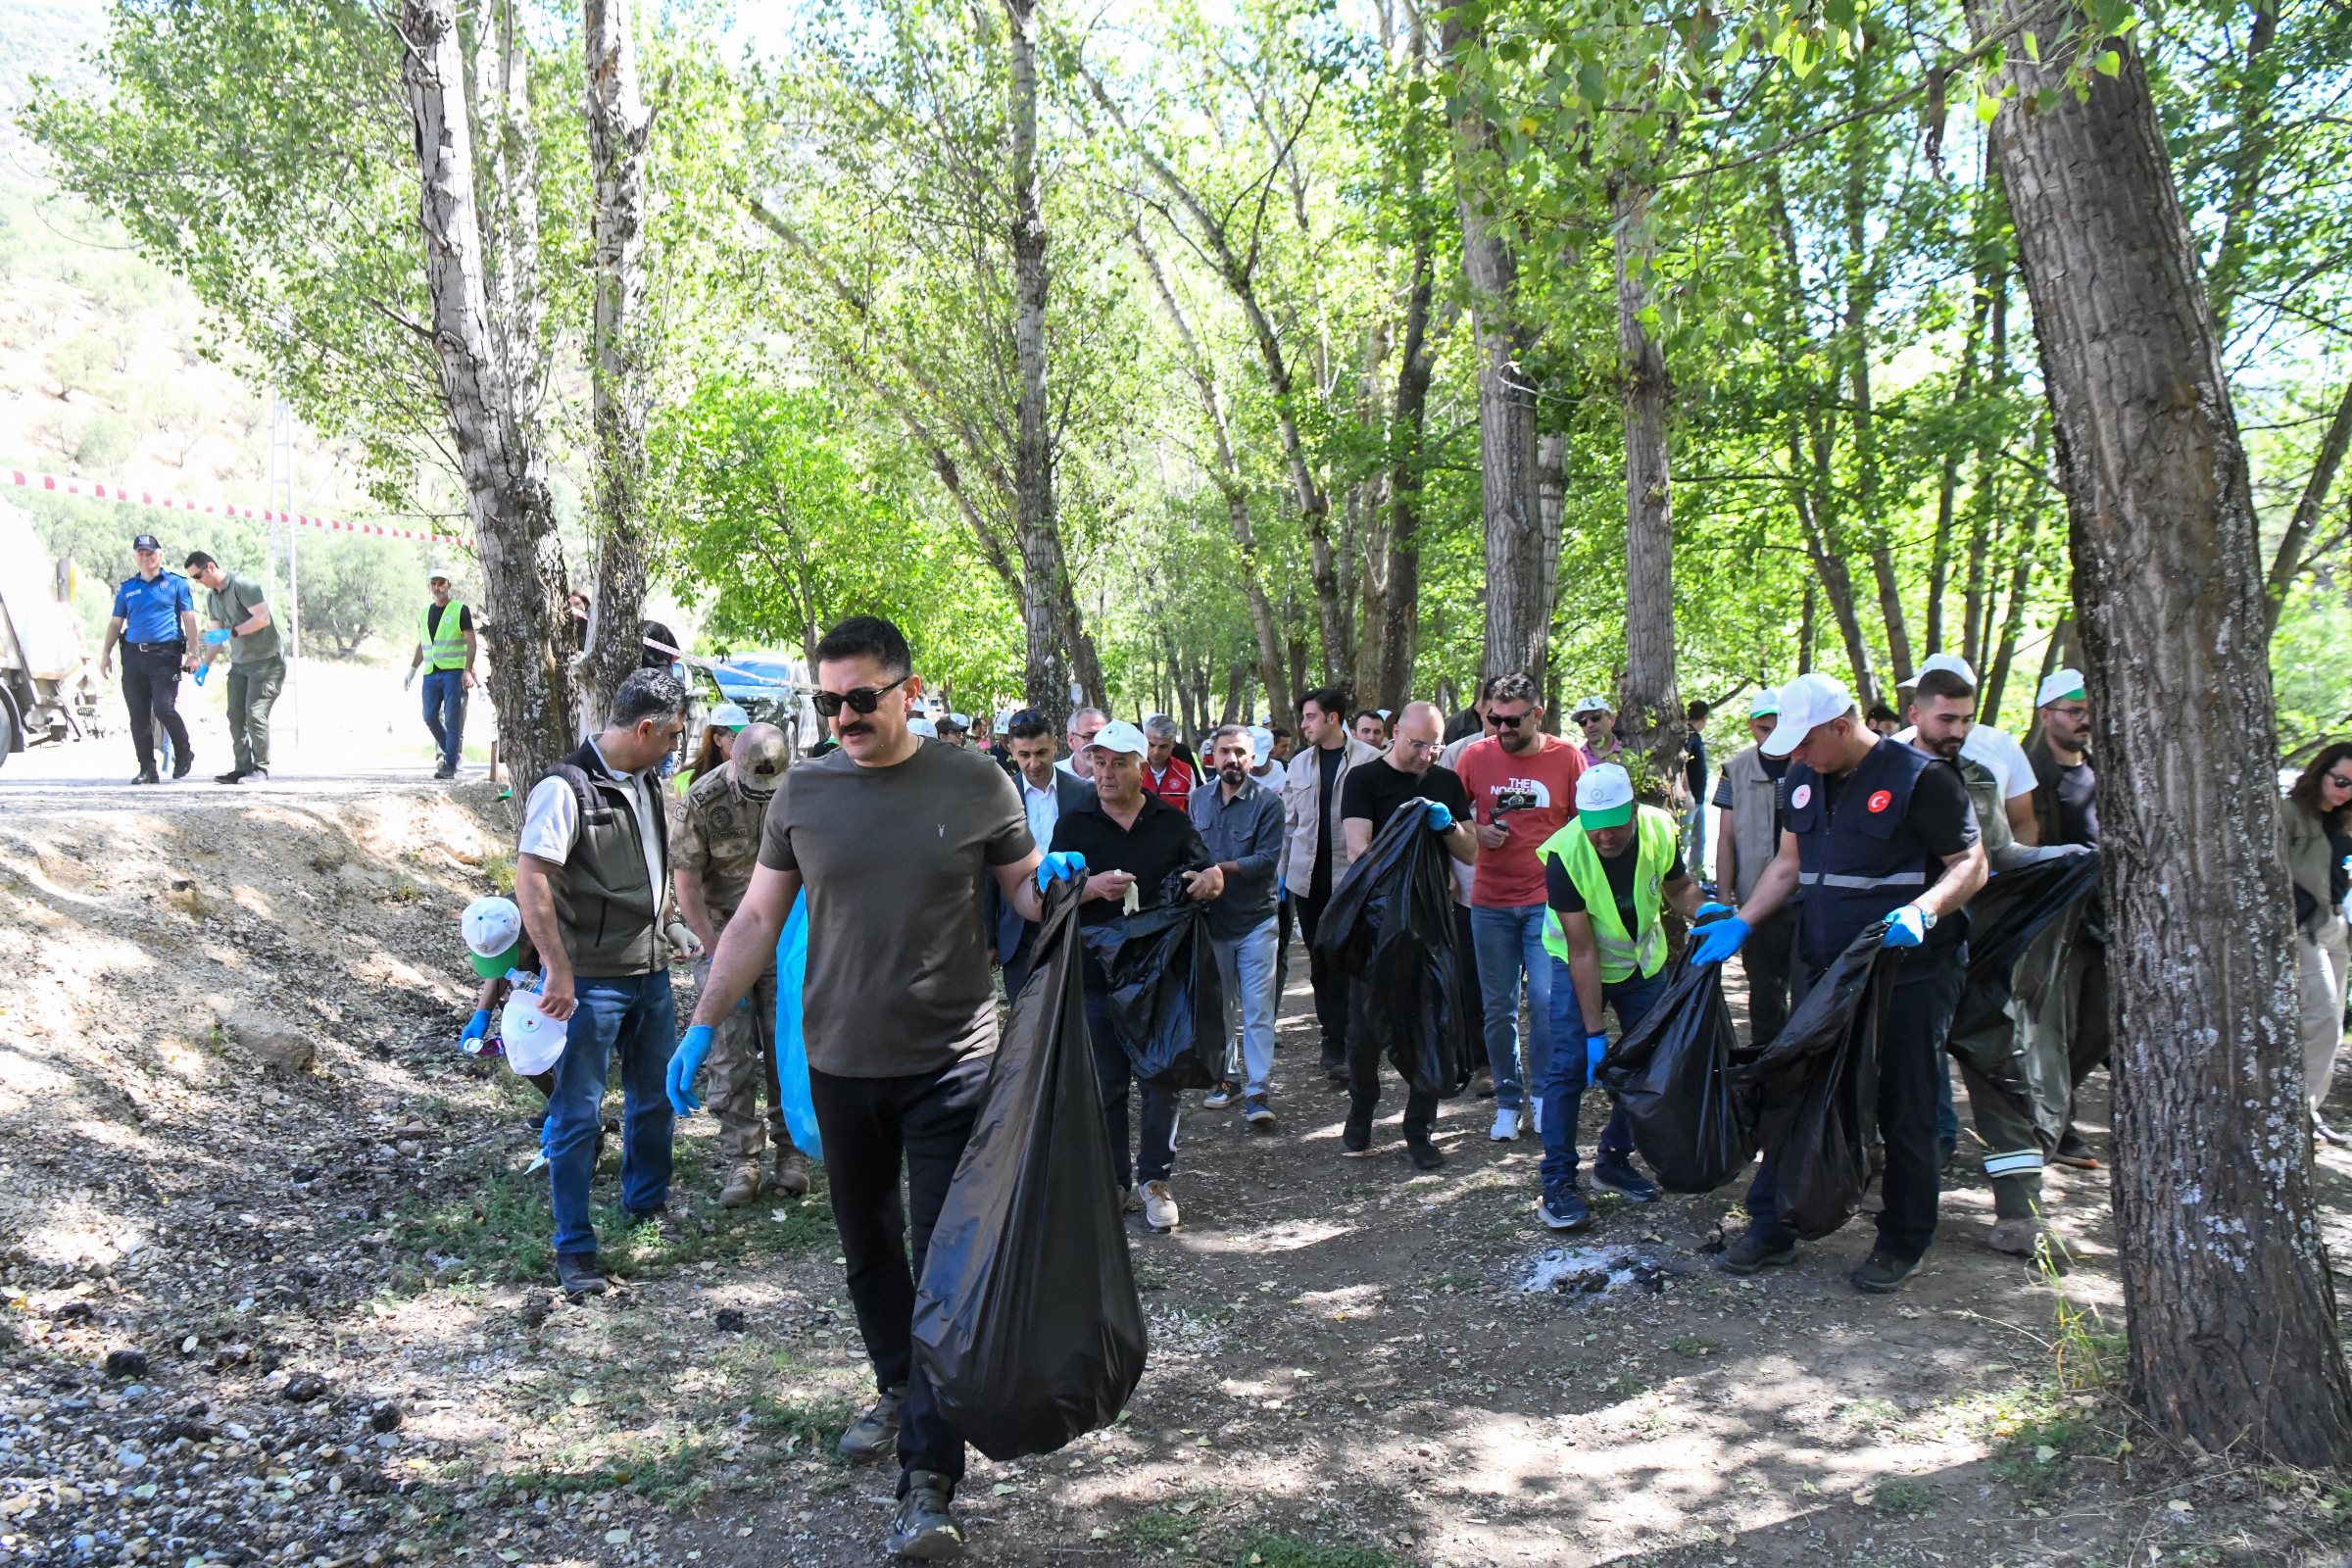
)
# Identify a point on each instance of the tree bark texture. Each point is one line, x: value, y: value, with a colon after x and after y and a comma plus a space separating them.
x: 507, y: 497
x: 2230, y: 1312
x: 618, y: 128
x: 1649, y: 711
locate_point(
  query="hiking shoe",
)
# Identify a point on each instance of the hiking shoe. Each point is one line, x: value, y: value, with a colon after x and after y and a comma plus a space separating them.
x: 792, y: 1173
x: 578, y: 1274
x: 743, y: 1185
x: 1884, y: 1273
x: 1159, y: 1209
x: 1355, y: 1137
x: 2073, y: 1151
x: 2016, y: 1237
x: 1616, y: 1172
x: 232, y: 777
x: 876, y: 1432
x: 1483, y: 1085
x: 1752, y: 1251
x: 1424, y: 1153
x: 1563, y: 1208
x: 1220, y: 1098
x: 1506, y: 1124
x: 925, y: 1530
x: 1257, y: 1113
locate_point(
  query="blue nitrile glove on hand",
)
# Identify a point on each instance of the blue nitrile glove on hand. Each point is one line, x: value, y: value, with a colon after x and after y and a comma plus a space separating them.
x: 1906, y: 927
x: 1707, y: 909
x: 684, y: 1066
x: 1062, y: 865
x: 1596, y: 1046
x: 475, y: 1028
x: 1718, y: 940
x: 202, y: 671
x: 1438, y: 818
x: 217, y: 636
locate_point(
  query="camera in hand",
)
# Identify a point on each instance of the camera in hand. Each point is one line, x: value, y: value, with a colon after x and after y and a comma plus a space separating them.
x: 1508, y: 800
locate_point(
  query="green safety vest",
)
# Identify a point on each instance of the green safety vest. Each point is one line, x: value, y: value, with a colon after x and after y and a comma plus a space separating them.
x: 448, y: 649
x: 1621, y: 952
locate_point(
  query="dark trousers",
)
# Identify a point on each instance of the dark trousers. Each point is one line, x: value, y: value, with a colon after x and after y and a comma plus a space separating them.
x: 151, y: 691
x: 445, y: 713
x: 1332, y: 988
x: 1153, y: 1157
x: 1776, y: 982
x: 2086, y: 1047
x: 1561, y: 1094
x: 1910, y: 1067
x: 1287, y: 916
x: 1363, y: 1076
x: 869, y: 1126
x: 1474, y: 995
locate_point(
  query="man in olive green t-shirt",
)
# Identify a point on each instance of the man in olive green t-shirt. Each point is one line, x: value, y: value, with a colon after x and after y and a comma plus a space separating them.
x: 243, y: 627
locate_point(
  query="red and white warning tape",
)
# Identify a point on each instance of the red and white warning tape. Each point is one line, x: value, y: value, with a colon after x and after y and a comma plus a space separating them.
x: 97, y: 491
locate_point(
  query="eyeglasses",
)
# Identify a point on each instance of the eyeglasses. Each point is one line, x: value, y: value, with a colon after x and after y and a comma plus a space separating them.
x: 860, y: 699
x: 1510, y: 720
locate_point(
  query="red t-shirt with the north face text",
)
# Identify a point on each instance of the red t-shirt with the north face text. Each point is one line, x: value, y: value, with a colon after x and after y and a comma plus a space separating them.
x: 1512, y: 877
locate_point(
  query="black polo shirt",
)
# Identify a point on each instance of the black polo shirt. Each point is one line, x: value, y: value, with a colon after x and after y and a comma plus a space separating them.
x: 1162, y: 841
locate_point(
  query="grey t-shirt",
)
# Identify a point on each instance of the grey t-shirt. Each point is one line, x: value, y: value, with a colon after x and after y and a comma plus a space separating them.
x: 232, y: 605
x: 892, y: 859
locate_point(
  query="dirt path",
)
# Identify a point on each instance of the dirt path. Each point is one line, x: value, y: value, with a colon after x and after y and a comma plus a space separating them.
x: 334, y: 1277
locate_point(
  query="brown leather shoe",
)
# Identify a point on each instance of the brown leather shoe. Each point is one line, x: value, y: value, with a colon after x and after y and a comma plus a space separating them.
x: 792, y: 1174
x: 743, y: 1185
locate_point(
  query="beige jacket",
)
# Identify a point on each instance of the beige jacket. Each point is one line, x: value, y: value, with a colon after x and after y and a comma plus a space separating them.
x: 1304, y: 826
x: 2309, y: 861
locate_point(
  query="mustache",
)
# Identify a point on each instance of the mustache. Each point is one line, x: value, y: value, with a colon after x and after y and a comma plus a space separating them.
x: 858, y: 727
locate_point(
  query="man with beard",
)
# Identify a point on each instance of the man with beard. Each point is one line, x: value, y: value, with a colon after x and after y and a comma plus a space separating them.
x: 1046, y: 793
x: 1240, y: 819
x: 714, y: 849
x: 2066, y: 808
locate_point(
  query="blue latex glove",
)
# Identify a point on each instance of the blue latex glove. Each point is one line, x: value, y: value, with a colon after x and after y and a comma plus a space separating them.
x: 1707, y: 909
x: 217, y: 636
x: 1906, y: 927
x: 202, y: 671
x: 1718, y: 940
x: 1596, y: 1046
x: 1438, y: 818
x: 684, y: 1065
x: 476, y: 1026
x: 1061, y: 865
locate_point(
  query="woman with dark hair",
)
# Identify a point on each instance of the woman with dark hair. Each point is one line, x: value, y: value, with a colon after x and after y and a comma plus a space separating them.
x: 2315, y: 822
x: 727, y: 719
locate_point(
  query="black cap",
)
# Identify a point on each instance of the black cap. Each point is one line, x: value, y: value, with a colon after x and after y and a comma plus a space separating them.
x: 146, y: 541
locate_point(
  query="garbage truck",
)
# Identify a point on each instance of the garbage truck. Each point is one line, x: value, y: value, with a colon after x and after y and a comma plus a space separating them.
x: 48, y: 686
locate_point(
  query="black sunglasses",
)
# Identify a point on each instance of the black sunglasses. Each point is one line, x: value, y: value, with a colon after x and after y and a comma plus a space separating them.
x: 860, y: 699
x: 2339, y: 781
x: 1510, y: 720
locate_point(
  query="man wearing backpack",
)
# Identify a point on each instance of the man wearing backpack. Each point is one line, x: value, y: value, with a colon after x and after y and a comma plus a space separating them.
x: 590, y: 877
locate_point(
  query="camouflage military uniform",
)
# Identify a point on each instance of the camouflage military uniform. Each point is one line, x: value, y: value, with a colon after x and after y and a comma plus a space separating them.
x: 716, y: 835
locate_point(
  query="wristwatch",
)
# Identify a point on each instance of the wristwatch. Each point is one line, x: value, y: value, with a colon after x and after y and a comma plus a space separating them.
x: 1927, y: 917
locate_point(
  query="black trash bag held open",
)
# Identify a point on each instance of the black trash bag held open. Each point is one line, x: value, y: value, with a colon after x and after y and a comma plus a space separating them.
x: 1026, y: 1316
x: 1390, y: 925
x: 1166, y: 996
x: 1673, y: 1074
x: 1819, y: 1087
x: 2011, y: 1027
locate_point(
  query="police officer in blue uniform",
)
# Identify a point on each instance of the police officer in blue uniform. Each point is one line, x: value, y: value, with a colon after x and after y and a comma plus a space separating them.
x: 154, y: 621
x: 1872, y: 831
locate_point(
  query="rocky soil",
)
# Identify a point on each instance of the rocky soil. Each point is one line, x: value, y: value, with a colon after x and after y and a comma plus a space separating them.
x: 276, y: 1289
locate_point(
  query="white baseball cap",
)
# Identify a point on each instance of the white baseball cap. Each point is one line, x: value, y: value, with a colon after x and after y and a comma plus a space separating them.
x: 923, y: 726
x: 1605, y: 797
x: 2061, y: 685
x: 1261, y: 743
x: 534, y: 1042
x: 440, y: 574
x: 1764, y: 704
x: 1952, y: 663
x: 1118, y: 736
x: 493, y: 928
x: 1805, y: 702
x: 1591, y: 705
x: 729, y: 716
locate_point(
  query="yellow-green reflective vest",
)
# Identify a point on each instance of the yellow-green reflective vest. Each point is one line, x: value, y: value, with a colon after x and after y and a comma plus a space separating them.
x: 446, y: 649
x: 1621, y: 952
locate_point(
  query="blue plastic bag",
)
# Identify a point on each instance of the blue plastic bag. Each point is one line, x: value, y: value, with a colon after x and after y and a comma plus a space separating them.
x: 792, y: 1052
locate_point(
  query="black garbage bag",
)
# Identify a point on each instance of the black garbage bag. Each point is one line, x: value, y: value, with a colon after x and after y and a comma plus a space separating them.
x: 1026, y: 1316
x: 1673, y: 1074
x: 1166, y: 996
x: 1818, y: 1083
x: 2009, y: 1029
x: 1390, y: 925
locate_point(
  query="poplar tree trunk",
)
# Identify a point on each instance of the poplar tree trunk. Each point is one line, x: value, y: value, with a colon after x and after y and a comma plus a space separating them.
x: 504, y: 472
x: 1649, y: 712
x: 2230, y: 1312
x: 618, y: 127
x: 1400, y: 604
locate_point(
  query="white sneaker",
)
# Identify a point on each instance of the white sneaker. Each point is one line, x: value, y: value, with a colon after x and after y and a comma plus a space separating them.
x: 1506, y: 1124
x: 1159, y: 1209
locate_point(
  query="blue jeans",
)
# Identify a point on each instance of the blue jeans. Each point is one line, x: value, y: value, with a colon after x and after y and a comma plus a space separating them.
x: 633, y: 1014
x: 1137, y: 1154
x: 445, y: 713
x: 1509, y: 942
x: 1246, y: 963
x: 1564, y: 1086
